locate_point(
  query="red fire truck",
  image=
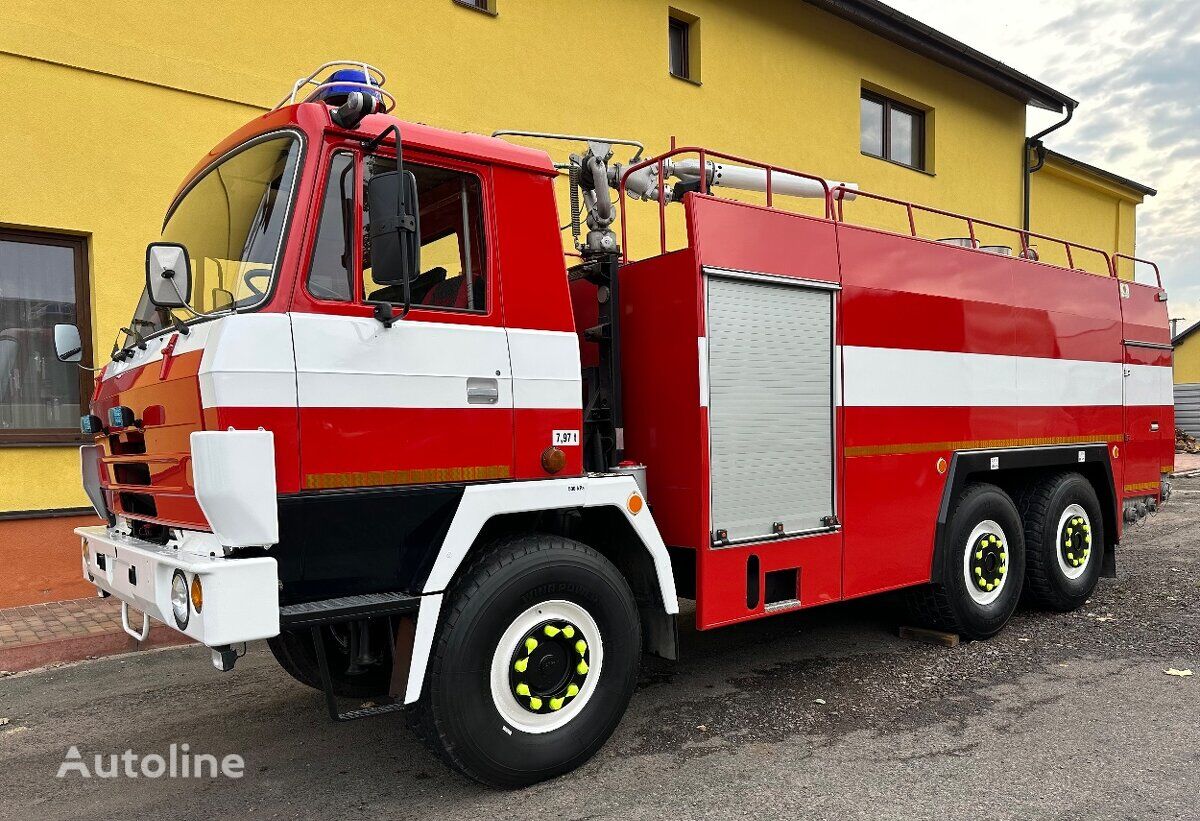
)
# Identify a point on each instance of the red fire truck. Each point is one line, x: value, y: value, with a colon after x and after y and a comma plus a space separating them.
x: 365, y: 411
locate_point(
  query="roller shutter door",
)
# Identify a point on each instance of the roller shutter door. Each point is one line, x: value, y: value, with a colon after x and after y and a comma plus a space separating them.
x: 770, y: 391
x: 1187, y: 408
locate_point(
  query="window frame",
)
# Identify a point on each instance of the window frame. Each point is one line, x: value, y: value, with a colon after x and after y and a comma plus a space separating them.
x: 487, y: 253
x: 919, y: 129
x: 487, y: 7
x: 674, y: 24
x: 83, y: 320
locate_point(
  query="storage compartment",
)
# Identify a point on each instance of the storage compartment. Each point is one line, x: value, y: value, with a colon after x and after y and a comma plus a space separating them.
x: 770, y: 399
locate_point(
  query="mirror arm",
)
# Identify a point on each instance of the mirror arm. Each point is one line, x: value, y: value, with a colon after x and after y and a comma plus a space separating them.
x: 138, y: 338
x: 383, y: 314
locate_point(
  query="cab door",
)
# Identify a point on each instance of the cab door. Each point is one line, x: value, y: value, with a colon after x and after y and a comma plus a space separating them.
x: 394, y: 422
x: 428, y: 401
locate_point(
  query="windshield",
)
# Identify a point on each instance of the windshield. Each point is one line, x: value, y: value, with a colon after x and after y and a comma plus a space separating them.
x: 231, y: 221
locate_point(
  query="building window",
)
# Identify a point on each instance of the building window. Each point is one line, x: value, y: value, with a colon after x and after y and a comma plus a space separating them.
x: 892, y: 130
x: 683, y: 46
x: 486, y: 6
x: 43, y: 282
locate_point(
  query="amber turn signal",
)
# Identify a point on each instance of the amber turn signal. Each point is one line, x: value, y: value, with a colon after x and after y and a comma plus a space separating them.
x: 553, y: 460
x: 635, y: 503
x: 197, y: 593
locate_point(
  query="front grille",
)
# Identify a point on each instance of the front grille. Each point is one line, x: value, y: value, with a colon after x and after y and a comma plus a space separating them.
x: 133, y: 445
x: 138, y: 504
x: 131, y: 473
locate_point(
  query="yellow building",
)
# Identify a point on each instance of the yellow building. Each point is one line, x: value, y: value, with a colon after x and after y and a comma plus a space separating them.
x: 111, y: 104
x: 1187, y: 380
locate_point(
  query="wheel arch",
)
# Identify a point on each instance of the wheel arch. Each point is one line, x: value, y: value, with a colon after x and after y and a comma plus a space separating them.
x: 592, y: 510
x: 1017, y: 467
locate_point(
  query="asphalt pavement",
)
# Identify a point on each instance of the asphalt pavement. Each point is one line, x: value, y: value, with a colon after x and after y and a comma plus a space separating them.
x: 820, y: 714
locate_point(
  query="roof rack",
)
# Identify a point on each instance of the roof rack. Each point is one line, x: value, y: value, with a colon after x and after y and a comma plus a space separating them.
x: 835, y: 196
x: 373, y: 85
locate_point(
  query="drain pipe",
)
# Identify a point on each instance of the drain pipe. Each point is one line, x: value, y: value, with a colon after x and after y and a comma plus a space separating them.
x: 1035, y: 143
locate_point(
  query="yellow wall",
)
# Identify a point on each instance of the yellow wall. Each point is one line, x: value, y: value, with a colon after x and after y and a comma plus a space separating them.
x: 138, y: 92
x: 1071, y: 203
x: 1187, y: 361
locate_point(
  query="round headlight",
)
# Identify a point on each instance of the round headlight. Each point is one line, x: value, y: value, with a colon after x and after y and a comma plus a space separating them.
x: 179, y: 599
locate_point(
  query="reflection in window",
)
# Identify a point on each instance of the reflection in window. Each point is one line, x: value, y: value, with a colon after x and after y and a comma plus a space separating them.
x: 330, y: 275
x: 891, y: 130
x: 38, y: 280
x: 452, y: 244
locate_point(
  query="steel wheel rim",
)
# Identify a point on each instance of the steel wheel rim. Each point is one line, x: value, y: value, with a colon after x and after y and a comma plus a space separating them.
x: 985, y: 562
x: 1073, y: 541
x: 515, y: 709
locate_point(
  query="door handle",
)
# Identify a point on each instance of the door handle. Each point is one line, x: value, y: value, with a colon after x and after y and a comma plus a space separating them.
x: 482, y: 391
x: 1153, y: 426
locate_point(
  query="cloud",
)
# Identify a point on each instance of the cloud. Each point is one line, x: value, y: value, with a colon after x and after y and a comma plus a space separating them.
x: 1134, y: 65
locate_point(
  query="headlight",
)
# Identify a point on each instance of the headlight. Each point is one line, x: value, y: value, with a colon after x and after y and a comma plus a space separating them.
x: 179, y: 599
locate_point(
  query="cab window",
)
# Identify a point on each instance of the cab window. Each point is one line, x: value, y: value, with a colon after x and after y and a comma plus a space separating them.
x: 453, y: 256
x: 330, y: 274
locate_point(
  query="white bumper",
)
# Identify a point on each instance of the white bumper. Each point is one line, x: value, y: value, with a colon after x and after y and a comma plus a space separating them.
x: 241, y: 596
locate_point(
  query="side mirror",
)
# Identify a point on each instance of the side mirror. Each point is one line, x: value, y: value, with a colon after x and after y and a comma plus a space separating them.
x: 168, y: 275
x: 395, y: 227
x: 68, y: 347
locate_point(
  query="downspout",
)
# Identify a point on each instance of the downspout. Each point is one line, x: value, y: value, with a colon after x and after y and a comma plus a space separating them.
x: 1035, y: 143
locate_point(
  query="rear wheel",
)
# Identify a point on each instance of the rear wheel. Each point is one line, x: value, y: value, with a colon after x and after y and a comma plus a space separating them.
x: 534, y: 662
x: 978, y: 585
x: 1064, y: 537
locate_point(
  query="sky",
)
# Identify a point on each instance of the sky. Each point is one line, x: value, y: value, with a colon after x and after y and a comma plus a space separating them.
x: 1134, y: 66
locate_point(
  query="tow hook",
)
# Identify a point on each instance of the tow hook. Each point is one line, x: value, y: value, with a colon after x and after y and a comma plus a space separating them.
x: 224, y: 656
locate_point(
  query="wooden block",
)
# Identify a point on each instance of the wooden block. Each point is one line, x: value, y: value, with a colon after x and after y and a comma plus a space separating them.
x: 930, y: 636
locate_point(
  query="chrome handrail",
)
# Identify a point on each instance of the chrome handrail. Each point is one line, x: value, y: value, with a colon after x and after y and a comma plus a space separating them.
x: 375, y: 81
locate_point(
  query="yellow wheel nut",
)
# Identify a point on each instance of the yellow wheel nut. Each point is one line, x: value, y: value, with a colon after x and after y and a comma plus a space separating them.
x: 979, y: 571
x: 530, y: 644
x: 581, y: 646
x: 535, y: 703
x: 522, y: 689
x: 569, y: 631
x: 581, y: 668
x: 978, y: 554
x: 572, y: 691
x: 551, y: 630
x: 556, y: 703
x: 1003, y: 556
x: 521, y: 665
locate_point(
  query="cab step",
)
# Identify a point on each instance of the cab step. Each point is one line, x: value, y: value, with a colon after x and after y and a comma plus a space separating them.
x: 347, y: 608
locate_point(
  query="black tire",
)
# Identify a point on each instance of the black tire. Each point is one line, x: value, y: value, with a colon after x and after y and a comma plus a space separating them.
x: 296, y: 654
x: 1044, y: 505
x: 457, y: 716
x: 947, y: 603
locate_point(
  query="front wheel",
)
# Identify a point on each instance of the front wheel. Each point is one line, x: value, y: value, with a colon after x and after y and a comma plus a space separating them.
x: 534, y: 663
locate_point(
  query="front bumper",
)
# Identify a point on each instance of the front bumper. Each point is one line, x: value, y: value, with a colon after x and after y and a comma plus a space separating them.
x: 241, y: 596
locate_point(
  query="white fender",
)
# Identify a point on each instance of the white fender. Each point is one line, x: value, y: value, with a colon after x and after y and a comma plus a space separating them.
x: 481, y: 502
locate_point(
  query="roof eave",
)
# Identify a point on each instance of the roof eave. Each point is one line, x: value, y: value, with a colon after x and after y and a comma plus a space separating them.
x: 916, y: 36
x: 1107, y: 176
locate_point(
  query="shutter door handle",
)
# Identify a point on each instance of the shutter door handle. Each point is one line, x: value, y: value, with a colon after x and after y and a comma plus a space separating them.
x: 482, y: 391
x: 1153, y: 426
